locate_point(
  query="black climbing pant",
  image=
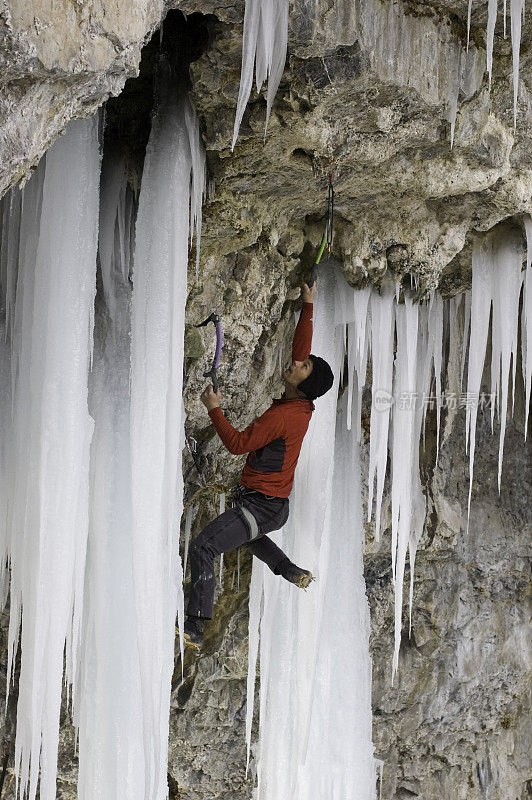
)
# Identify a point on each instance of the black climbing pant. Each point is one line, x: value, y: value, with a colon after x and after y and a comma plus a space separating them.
x: 228, y: 531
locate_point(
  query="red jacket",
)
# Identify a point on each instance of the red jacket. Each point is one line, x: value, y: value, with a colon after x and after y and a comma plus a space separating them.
x: 273, y: 440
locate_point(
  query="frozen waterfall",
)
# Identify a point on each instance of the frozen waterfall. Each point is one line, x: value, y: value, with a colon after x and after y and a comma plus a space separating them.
x: 52, y: 266
x: 108, y: 710
x: 91, y: 452
x: 309, y: 650
x: 309, y: 655
x: 157, y: 418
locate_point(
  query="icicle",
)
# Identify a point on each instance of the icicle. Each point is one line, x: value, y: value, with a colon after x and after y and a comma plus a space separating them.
x: 429, y: 357
x: 198, y: 178
x: 506, y: 278
x: 52, y: 432
x: 255, y: 596
x: 382, y: 333
x: 526, y: 321
x: 111, y: 190
x: 6, y: 447
x: 188, y: 526
x: 416, y: 52
x: 433, y: 358
x: 481, y: 294
x: 21, y: 394
x: 465, y: 339
x: 107, y: 709
x: 516, y: 11
x: 469, y: 5
x: 504, y: 18
x: 403, y: 452
x: 357, y: 352
x: 158, y: 308
x: 453, y: 86
x: 492, y: 19
x: 9, y: 254
x: 221, y: 511
x: 301, y: 664
x: 264, y: 42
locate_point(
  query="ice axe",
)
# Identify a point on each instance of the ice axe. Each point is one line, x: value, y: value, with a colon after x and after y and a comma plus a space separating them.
x: 212, y: 372
x: 327, y: 236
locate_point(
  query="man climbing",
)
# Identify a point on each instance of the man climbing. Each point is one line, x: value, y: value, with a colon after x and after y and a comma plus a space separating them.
x: 260, y: 504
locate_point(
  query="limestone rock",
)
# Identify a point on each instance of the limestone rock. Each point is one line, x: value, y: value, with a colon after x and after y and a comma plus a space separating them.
x: 455, y: 723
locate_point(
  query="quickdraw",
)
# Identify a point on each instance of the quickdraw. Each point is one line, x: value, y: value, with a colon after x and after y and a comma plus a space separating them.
x: 326, y: 242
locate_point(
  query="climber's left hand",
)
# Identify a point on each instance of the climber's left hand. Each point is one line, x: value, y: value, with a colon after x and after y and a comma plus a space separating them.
x: 210, y: 398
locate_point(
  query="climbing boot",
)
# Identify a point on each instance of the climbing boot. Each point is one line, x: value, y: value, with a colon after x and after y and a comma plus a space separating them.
x: 289, y: 571
x: 193, y: 633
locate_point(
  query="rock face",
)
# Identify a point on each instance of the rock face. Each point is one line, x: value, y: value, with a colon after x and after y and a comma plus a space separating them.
x: 454, y: 725
x: 59, y: 61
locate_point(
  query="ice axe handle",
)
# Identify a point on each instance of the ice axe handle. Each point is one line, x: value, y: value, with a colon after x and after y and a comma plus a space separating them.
x: 212, y: 372
x: 313, y: 274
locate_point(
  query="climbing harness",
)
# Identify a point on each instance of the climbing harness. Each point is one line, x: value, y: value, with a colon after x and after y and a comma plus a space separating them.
x: 238, y: 498
x: 326, y: 242
x: 212, y: 372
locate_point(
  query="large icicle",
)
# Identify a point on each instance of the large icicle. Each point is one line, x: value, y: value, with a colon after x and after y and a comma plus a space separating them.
x: 263, y: 46
x: 52, y: 432
x: 403, y: 457
x: 299, y: 728
x: 526, y: 321
x: 158, y: 307
x: 496, y: 282
x: 355, y: 315
x: 382, y: 308
x: 490, y: 32
x: 108, y: 708
x: 481, y: 294
x: 517, y: 8
x: 433, y: 362
x: 506, y: 281
x: 255, y: 597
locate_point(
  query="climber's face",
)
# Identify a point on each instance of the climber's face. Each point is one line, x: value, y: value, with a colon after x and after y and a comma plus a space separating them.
x: 297, y: 372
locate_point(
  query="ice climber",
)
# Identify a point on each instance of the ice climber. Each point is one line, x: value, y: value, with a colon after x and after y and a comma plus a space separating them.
x: 260, y: 503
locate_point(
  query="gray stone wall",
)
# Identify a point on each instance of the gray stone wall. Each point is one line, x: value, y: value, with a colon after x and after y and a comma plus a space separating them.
x: 455, y: 723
